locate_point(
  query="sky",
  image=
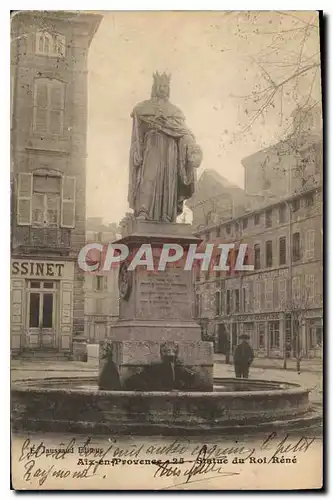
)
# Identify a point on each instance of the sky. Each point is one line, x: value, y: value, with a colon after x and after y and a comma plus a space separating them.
x: 213, y: 59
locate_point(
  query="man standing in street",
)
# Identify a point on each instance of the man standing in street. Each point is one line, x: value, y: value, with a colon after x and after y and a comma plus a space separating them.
x: 243, y: 357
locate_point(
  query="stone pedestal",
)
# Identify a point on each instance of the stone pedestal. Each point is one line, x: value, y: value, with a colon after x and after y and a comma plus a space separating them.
x: 156, y: 312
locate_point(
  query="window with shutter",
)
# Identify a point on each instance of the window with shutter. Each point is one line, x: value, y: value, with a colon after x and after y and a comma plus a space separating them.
x: 24, y: 199
x: 309, y: 287
x: 269, y: 294
x: 46, y: 201
x: 245, y: 299
x: 236, y: 300
x: 40, y: 106
x: 296, y: 290
x: 49, y: 106
x: 262, y: 296
x: 282, y: 292
x: 38, y: 209
x: 55, y: 109
x: 257, y: 296
x: 105, y: 283
x: 310, y: 244
x: 68, y: 202
x: 53, y: 209
x: 296, y: 249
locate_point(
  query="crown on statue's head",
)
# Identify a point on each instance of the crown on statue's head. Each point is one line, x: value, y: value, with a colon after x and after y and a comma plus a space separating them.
x: 161, y: 78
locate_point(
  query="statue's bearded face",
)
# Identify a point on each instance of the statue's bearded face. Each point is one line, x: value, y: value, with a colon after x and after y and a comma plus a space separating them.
x: 162, y: 90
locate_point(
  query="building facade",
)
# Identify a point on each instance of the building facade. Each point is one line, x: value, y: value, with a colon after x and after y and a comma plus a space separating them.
x: 280, y: 303
x: 48, y: 153
x: 101, y: 307
x: 215, y: 200
x: 286, y: 282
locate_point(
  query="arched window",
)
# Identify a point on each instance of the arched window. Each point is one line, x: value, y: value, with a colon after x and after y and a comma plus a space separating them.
x: 50, y: 44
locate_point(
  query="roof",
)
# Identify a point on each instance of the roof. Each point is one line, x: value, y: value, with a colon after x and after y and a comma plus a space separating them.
x: 220, y: 179
x: 88, y: 20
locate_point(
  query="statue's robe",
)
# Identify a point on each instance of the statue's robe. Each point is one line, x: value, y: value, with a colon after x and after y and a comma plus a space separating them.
x: 161, y: 177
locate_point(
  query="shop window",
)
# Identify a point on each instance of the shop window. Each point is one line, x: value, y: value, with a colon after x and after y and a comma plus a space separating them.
x: 274, y: 334
x: 34, y: 310
x: 261, y: 335
x: 315, y: 334
x: 41, y: 304
x: 248, y: 330
x: 47, y: 310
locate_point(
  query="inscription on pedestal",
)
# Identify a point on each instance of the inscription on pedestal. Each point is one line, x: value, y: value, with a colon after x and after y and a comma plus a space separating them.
x: 166, y: 296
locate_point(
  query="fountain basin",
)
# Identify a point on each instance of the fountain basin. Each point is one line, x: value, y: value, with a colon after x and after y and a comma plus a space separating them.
x: 76, y: 405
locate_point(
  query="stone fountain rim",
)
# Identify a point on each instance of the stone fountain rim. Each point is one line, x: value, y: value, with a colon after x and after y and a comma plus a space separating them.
x: 290, y: 389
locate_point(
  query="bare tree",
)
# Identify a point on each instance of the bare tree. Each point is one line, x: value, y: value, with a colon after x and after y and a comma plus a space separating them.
x: 288, y: 69
x: 285, y: 74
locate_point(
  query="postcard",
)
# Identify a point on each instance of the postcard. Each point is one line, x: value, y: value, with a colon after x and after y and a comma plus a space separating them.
x: 166, y: 250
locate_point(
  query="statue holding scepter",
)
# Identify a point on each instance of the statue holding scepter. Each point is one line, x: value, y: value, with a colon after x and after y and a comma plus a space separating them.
x: 164, y: 157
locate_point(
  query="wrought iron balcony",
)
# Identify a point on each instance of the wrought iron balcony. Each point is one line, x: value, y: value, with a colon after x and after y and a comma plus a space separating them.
x: 28, y: 239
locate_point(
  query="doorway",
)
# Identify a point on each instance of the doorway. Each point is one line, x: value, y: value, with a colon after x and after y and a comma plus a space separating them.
x: 41, y: 314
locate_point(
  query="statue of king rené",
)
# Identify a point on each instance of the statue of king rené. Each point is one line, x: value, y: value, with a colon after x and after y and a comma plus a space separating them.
x: 163, y: 157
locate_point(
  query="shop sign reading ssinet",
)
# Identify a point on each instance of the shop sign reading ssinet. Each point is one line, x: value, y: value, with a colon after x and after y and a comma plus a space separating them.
x: 43, y: 269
